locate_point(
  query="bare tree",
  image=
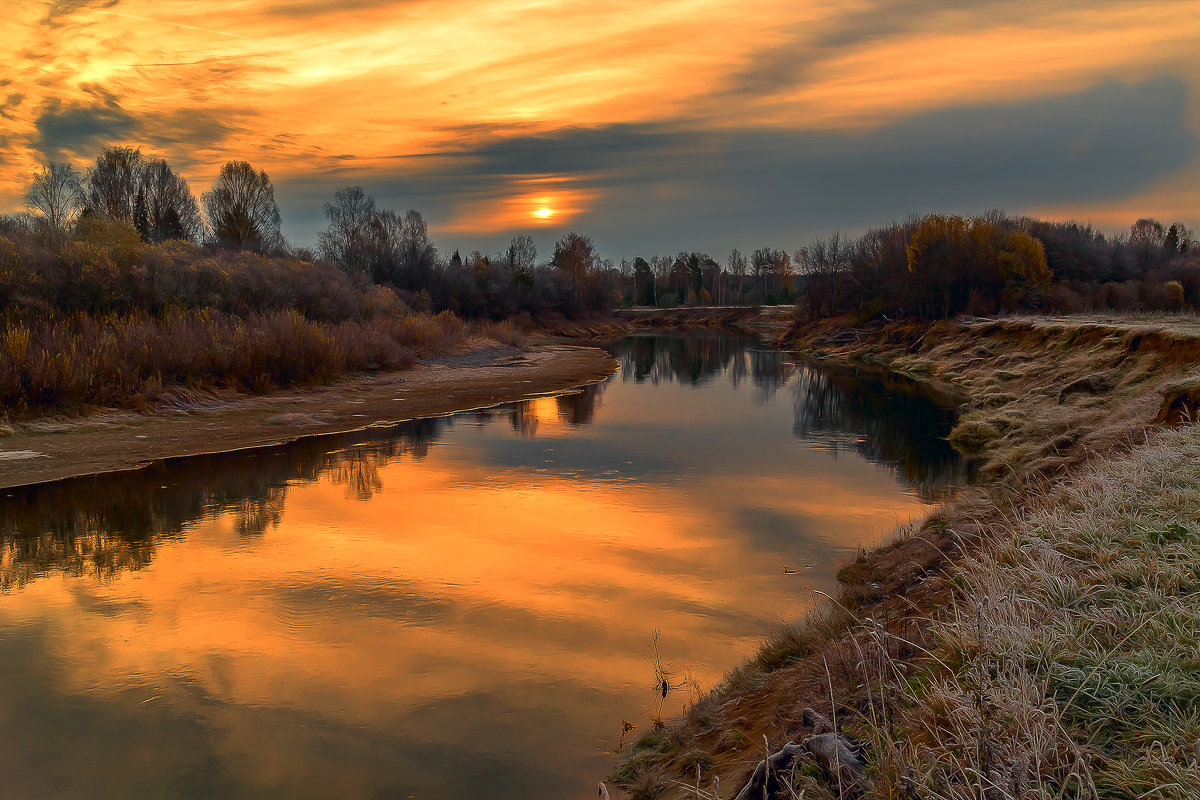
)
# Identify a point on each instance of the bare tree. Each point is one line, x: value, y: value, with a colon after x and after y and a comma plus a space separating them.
x: 784, y: 273
x: 738, y: 265
x: 714, y: 279
x: 241, y: 209
x: 123, y: 186
x: 1149, y: 231
x: 522, y: 256
x: 661, y: 266
x: 351, y: 240
x: 111, y: 187
x: 766, y: 264
x: 386, y: 235
x: 575, y: 256
x: 825, y: 264
x: 168, y: 207
x: 385, y: 246
x: 418, y: 255
x: 56, y: 194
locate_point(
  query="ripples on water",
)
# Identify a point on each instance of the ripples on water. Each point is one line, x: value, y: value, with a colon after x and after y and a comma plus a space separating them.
x: 455, y: 607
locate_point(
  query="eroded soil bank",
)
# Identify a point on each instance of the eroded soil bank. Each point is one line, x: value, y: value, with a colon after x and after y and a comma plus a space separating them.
x: 1033, y: 638
x: 48, y: 450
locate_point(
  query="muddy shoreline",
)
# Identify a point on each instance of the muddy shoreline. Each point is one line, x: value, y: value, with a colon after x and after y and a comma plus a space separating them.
x: 42, y: 451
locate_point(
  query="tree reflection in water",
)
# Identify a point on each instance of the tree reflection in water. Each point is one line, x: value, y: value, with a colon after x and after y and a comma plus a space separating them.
x: 101, y: 526
x: 888, y: 419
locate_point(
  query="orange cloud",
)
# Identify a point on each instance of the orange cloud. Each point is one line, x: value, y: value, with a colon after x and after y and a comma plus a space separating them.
x: 311, y: 89
x: 525, y: 203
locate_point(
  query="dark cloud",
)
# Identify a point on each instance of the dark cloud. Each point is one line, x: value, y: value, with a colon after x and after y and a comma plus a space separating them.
x: 66, y: 129
x: 786, y: 62
x: 81, y: 130
x: 665, y: 188
x: 1104, y: 143
x: 308, y: 9
x: 190, y: 135
x: 11, y: 102
x: 613, y: 149
x: 59, y: 10
x: 438, y: 183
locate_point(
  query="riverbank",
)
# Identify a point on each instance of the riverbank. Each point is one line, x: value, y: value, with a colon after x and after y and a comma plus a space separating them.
x: 768, y: 322
x: 1034, y: 637
x: 48, y: 449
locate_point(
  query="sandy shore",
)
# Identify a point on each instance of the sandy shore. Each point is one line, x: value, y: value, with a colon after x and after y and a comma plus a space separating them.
x: 51, y: 450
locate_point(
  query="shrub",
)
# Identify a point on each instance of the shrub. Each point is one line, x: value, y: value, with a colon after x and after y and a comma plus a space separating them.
x: 80, y: 360
x: 1174, y: 291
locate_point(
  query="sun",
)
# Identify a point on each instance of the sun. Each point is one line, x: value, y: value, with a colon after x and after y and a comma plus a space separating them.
x: 544, y: 213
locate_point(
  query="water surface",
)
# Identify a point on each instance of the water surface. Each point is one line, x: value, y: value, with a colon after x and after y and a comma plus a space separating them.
x: 467, y: 606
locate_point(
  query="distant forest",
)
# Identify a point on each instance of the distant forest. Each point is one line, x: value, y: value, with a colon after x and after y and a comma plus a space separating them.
x: 74, y: 251
x: 118, y: 287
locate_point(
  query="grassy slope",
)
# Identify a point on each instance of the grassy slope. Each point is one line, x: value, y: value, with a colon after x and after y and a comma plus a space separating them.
x: 1070, y: 661
x: 1034, y: 638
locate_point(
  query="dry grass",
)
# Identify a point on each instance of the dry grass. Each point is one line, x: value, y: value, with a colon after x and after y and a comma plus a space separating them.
x: 104, y: 319
x: 1068, y: 664
x: 1045, y: 394
x: 507, y: 332
x: 76, y: 361
x: 1177, y: 325
x: 1038, y: 637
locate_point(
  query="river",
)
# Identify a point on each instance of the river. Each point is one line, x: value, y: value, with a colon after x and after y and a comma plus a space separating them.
x: 468, y: 606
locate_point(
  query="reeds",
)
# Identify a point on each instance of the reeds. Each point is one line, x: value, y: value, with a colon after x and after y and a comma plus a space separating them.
x: 64, y: 362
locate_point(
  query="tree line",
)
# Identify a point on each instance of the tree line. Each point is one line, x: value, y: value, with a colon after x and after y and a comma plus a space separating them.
x: 932, y: 266
x: 239, y: 212
x: 939, y: 266
x: 369, y: 244
x: 120, y: 289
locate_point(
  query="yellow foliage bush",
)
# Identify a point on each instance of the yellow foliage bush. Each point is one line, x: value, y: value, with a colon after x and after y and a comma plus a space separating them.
x: 955, y: 262
x: 120, y: 239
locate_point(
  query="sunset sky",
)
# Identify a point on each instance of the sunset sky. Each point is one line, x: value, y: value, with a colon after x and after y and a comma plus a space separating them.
x: 653, y: 127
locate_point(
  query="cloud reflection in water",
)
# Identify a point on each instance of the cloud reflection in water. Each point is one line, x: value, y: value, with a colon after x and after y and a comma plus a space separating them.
x: 454, y: 607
